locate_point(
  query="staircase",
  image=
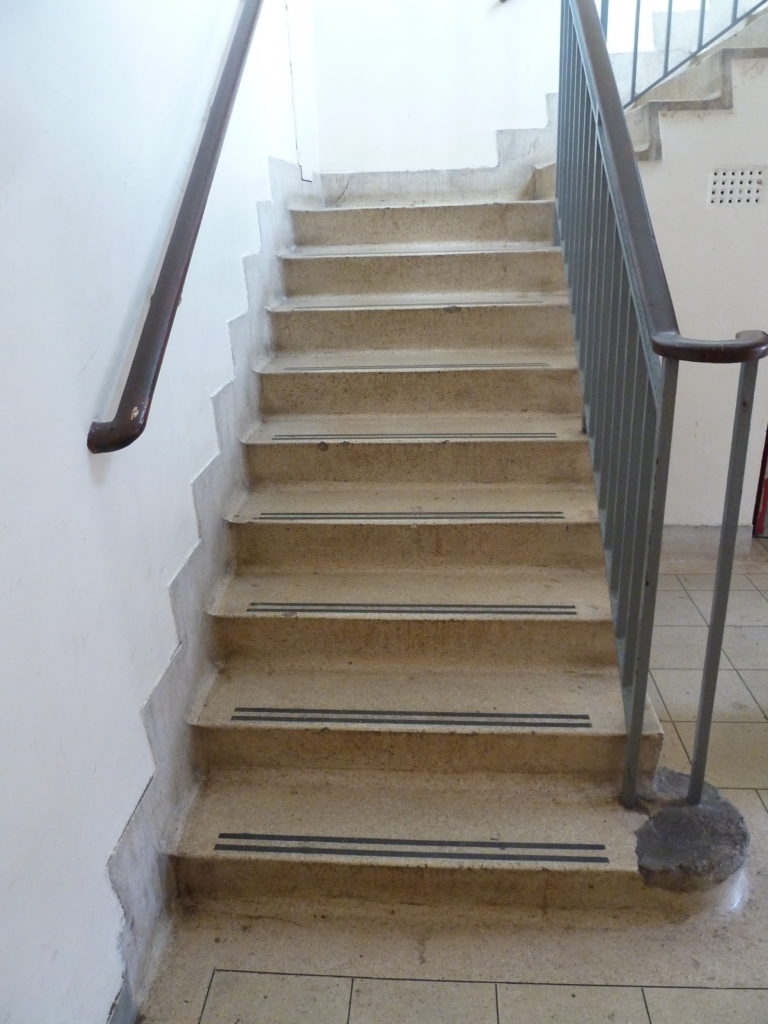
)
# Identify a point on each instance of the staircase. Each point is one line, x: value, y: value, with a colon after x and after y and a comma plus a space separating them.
x: 417, y: 695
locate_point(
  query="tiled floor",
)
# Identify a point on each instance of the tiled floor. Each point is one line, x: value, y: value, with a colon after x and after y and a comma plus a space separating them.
x: 369, y: 964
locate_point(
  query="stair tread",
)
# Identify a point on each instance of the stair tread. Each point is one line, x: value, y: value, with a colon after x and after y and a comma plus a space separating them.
x: 348, y: 807
x: 414, y: 359
x: 419, y: 300
x: 403, y: 501
x: 423, y: 426
x: 398, y: 690
x: 439, y: 248
x: 457, y: 593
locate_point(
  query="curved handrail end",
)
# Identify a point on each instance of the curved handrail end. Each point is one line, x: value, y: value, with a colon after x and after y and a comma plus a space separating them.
x: 112, y: 435
x: 746, y: 347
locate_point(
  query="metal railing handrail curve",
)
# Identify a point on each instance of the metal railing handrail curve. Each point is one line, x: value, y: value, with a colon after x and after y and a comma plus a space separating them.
x: 132, y: 412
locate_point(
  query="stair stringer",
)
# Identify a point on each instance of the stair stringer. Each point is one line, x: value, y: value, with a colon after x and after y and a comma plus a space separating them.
x: 138, y: 867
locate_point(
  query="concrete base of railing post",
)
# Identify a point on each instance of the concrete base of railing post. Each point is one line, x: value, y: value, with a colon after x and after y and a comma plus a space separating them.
x: 684, y: 848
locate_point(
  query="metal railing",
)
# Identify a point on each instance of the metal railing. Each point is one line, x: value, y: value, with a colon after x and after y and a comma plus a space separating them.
x: 133, y: 406
x: 714, y: 19
x: 629, y: 349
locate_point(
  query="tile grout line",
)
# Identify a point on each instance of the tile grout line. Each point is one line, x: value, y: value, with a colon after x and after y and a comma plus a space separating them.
x: 207, y: 994
x: 749, y: 691
x: 349, y: 1006
x: 496, y: 991
x: 645, y: 1004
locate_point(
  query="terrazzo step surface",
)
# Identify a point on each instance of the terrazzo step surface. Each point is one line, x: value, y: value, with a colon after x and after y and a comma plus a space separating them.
x: 402, y: 718
x: 546, y: 616
x: 509, y: 321
x: 365, y: 525
x: 423, y: 381
x: 417, y: 837
x: 486, y: 267
x: 468, y: 448
x: 531, y: 221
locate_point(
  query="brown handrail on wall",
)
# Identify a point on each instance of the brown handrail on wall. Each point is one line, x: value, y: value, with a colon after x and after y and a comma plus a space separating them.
x: 133, y: 408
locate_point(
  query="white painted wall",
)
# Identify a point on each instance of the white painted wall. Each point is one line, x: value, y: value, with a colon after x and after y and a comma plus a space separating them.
x: 716, y: 264
x: 100, y: 104
x: 426, y: 85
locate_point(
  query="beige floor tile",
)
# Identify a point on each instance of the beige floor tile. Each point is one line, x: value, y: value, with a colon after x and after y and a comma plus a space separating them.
x: 706, y: 581
x: 654, y: 696
x: 677, y: 609
x: 428, y: 1002
x: 707, y: 1006
x: 679, y: 689
x: 668, y: 581
x: 763, y: 794
x: 680, y: 647
x: 560, y: 1004
x: 746, y: 646
x: 673, y: 753
x: 738, y: 753
x: 745, y: 607
x: 757, y: 681
x: 238, y: 997
x: 759, y: 579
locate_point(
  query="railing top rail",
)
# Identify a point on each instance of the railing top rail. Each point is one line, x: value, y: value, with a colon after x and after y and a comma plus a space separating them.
x: 133, y: 406
x: 641, y: 251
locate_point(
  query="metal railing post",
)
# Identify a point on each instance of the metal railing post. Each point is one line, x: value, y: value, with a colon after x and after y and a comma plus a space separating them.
x: 733, y: 490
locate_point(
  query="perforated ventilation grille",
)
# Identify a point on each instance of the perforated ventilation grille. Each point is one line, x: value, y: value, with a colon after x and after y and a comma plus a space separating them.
x: 736, y: 185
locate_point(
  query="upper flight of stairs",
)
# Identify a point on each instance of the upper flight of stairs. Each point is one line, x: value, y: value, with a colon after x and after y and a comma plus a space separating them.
x: 417, y: 696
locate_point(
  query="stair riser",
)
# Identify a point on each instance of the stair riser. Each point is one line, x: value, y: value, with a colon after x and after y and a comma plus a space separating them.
x: 482, y: 222
x: 369, y: 749
x: 365, y: 545
x: 541, y: 327
x: 232, y: 877
x: 284, y: 639
x: 479, y: 271
x: 421, y: 461
x: 414, y: 391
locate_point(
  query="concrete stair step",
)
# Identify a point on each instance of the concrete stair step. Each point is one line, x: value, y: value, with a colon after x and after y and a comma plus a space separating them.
x: 484, y: 267
x: 419, y: 381
x: 400, y: 525
x: 401, y: 718
x: 545, y: 616
x: 529, y: 221
x: 509, y: 323
x: 476, y: 448
x: 417, y: 837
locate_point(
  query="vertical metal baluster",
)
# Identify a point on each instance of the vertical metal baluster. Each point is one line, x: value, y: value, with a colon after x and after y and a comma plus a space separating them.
x: 668, y: 37
x: 637, y: 562
x: 733, y: 489
x: 735, y: 11
x: 604, y: 15
x: 633, y: 87
x: 610, y: 435
x: 702, y: 16
x: 592, y: 213
x: 624, y: 477
x: 602, y: 319
x: 618, y: 423
x: 634, y: 697
x: 631, y: 488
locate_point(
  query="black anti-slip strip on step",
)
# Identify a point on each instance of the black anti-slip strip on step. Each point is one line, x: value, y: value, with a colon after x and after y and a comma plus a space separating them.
x: 436, y: 849
x: 417, y: 366
x: 473, y: 719
x: 410, y: 516
x: 524, y: 436
x: 329, y: 608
